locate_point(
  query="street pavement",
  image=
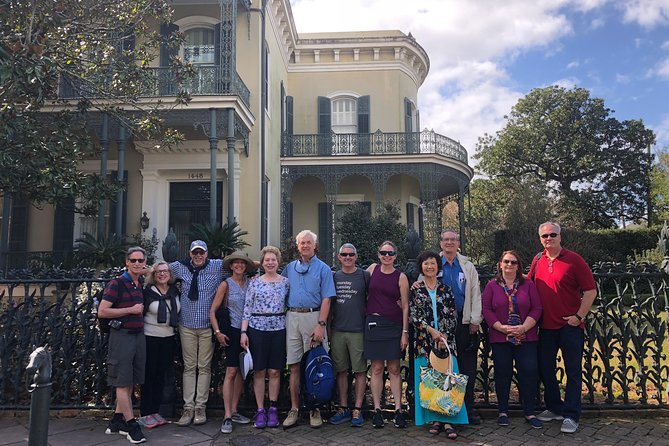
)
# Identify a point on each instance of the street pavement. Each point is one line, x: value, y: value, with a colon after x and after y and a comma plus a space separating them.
x: 613, y: 428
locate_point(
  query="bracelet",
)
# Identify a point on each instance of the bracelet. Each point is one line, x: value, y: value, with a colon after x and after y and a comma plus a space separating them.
x: 405, y: 331
x: 243, y: 332
x: 578, y: 317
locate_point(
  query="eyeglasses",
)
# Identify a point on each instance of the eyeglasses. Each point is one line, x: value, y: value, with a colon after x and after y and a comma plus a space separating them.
x: 510, y: 262
x: 453, y: 240
x: 198, y: 252
x: 387, y: 253
x: 136, y: 260
x: 301, y: 270
x: 163, y: 271
x: 551, y: 235
x: 347, y: 254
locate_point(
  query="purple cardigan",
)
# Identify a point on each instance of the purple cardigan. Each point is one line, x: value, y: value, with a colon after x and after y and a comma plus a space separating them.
x: 496, y: 308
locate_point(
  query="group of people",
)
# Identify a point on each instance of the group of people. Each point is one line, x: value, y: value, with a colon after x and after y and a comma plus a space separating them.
x: 363, y: 316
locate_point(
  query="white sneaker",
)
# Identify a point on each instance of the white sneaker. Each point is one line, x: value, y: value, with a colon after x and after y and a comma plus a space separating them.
x: 547, y: 415
x: 569, y: 426
x: 240, y: 419
x: 226, y: 427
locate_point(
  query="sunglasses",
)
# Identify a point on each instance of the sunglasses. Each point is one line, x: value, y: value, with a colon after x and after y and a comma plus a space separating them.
x: 347, y: 254
x: 551, y: 235
x: 510, y: 262
x: 387, y: 253
x: 198, y: 252
x: 136, y: 260
x: 163, y: 271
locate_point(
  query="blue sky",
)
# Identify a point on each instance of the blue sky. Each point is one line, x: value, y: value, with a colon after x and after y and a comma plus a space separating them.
x: 486, y: 54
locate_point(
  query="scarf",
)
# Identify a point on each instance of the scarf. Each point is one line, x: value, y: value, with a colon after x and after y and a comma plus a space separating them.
x: 193, y: 291
x: 154, y: 294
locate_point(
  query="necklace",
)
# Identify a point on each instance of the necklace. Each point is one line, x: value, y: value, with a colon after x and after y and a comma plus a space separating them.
x: 431, y: 288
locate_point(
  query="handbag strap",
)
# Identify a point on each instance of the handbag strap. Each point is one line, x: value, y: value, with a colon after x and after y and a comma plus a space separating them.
x: 450, y: 355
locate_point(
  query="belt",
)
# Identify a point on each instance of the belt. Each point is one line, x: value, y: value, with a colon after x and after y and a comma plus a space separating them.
x: 268, y: 314
x: 303, y: 309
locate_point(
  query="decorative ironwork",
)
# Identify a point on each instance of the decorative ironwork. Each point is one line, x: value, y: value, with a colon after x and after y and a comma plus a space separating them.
x: 624, y: 364
x: 378, y: 143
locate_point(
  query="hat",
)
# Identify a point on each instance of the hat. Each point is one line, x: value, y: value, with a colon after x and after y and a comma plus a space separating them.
x: 239, y: 255
x: 245, y: 363
x: 440, y: 360
x: 198, y: 244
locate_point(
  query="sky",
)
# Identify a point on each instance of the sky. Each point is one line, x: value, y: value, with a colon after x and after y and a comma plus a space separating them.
x: 487, y: 54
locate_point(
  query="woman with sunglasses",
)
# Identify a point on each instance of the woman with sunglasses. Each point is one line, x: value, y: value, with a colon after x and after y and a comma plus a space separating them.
x: 434, y: 318
x: 386, y: 329
x: 161, y: 319
x: 511, y: 307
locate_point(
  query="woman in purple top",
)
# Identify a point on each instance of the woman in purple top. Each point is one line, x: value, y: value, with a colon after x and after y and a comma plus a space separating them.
x: 386, y: 329
x: 511, y: 307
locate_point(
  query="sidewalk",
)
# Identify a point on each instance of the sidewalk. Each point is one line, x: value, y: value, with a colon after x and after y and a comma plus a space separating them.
x: 622, y: 428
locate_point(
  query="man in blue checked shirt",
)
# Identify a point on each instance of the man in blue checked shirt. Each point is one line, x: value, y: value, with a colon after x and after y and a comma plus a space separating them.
x: 311, y: 288
x: 200, y: 278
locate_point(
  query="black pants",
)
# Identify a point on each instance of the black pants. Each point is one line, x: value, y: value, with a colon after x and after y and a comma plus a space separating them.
x: 159, y: 357
x: 467, y: 346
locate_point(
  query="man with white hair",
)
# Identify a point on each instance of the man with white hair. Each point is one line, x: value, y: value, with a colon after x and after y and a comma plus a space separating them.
x: 311, y: 288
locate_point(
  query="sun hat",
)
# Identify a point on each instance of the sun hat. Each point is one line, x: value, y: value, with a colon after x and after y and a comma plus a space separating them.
x: 198, y: 244
x: 239, y: 255
x: 245, y: 362
x: 440, y: 359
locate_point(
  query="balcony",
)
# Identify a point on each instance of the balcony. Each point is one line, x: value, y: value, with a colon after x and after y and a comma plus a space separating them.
x: 372, y: 144
x: 207, y: 81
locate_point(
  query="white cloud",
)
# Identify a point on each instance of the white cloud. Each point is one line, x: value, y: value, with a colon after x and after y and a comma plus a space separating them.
x: 662, y: 132
x: 623, y: 78
x: 660, y: 70
x: 567, y: 82
x: 573, y: 64
x: 665, y: 45
x: 588, y: 5
x: 597, y: 23
x: 647, y: 13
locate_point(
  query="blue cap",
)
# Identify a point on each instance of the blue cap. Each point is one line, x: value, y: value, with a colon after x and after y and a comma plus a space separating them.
x: 198, y: 244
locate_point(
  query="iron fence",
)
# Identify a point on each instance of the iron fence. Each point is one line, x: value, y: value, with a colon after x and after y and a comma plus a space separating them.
x: 625, y: 361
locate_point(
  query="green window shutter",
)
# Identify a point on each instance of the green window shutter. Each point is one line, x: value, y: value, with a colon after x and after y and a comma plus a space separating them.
x: 324, y: 126
x: 63, y: 230
x: 324, y: 232
x: 410, y: 216
x: 421, y: 223
x: 363, y: 125
x: 166, y: 52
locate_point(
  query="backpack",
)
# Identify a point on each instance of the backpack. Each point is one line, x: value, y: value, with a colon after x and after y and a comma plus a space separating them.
x: 533, y: 266
x: 318, y: 377
x: 104, y: 323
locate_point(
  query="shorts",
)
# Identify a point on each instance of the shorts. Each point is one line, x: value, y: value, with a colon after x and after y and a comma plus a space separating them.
x: 346, y: 351
x: 234, y: 348
x: 382, y: 338
x: 299, y: 327
x: 126, y: 358
x: 268, y: 349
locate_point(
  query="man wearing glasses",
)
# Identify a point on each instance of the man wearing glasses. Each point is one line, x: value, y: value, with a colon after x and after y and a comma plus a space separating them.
x: 200, y: 278
x: 461, y: 276
x: 348, y: 325
x: 567, y: 290
x: 123, y: 301
x: 311, y: 288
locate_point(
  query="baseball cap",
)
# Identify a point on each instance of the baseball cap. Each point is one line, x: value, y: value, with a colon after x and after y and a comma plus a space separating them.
x: 198, y: 244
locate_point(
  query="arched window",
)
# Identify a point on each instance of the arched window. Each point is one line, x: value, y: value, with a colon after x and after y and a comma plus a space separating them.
x: 345, y: 115
x: 199, y: 46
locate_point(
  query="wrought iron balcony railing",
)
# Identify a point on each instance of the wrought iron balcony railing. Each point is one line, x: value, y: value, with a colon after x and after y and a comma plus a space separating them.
x: 377, y: 143
x: 207, y: 81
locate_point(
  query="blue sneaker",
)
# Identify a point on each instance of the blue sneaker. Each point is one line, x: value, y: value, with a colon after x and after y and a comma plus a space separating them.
x: 342, y: 416
x: 357, y: 419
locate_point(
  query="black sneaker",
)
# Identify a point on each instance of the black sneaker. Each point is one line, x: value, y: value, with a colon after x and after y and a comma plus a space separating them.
x: 377, y: 420
x: 135, y: 434
x: 399, y: 421
x: 117, y: 426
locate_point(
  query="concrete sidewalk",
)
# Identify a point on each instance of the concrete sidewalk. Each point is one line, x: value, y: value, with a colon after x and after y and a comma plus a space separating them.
x: 620, y: 428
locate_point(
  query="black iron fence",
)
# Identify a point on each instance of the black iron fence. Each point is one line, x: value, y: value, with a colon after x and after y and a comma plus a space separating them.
x: 625, y: 363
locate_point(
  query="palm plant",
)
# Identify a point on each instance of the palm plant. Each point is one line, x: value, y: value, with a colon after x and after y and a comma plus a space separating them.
x: 105, y: 251
x: 221, y: 240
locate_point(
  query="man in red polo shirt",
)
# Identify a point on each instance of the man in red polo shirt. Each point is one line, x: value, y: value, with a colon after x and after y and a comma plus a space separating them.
x: 567, y: 290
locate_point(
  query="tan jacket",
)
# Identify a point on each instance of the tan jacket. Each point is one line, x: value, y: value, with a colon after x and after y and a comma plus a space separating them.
x: 471, y: 313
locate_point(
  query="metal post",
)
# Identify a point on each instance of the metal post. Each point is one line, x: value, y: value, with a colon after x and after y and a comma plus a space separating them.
x: 4, y: 235
x: 40, y: 368
x: 104, y: 154
x: 120, y: 175
x: 213, y: 148
x: 231, y: 165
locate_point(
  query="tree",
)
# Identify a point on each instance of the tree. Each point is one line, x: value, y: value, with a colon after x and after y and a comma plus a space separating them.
x: 659, y: 187
x: 594, y: 165
x: 366, y: 233
x: 102, y: 48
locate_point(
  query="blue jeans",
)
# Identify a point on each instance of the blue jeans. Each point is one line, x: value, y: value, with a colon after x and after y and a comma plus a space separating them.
x: 504, y: 354
x: 569, y: 340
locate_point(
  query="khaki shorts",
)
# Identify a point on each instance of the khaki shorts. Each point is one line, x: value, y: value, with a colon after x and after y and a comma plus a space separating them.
x: 299, y: 327
x: 346, y: 350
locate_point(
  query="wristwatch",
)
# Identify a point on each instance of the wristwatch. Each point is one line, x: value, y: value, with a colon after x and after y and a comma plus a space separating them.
x: 578, y: 317
x: 217, y: 332
x: 243, y: 332
x: 321, y: 323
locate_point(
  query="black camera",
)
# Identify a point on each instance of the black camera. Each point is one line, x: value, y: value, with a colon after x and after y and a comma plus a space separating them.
x: 115, y: 324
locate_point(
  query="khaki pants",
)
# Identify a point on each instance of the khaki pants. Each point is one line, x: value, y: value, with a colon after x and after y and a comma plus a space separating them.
x: 197, y: 350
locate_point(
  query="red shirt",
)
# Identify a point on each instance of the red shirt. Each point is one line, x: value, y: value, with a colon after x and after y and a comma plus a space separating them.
x: 561, y: 284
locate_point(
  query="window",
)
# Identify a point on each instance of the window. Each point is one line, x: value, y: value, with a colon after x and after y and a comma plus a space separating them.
x: 344, y: 115
x: 199, y: 46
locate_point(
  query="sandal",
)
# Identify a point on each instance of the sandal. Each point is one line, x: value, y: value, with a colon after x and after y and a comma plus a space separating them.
x: 451, y: 433
x: 436, y: 428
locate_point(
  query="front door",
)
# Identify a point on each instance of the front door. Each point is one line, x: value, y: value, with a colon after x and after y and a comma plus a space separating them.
x: 189, y: 204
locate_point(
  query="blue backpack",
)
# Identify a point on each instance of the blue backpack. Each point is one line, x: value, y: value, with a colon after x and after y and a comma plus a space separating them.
x: 318, y: 377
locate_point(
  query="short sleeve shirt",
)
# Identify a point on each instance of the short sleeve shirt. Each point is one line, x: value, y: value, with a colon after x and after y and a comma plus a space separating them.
x: 310, y: 283
x: 348, y: 308
x: 123, y: 293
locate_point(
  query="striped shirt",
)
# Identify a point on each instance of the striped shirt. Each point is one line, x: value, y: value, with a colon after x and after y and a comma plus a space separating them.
x: 195, y: 313
x: 122, y: 293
